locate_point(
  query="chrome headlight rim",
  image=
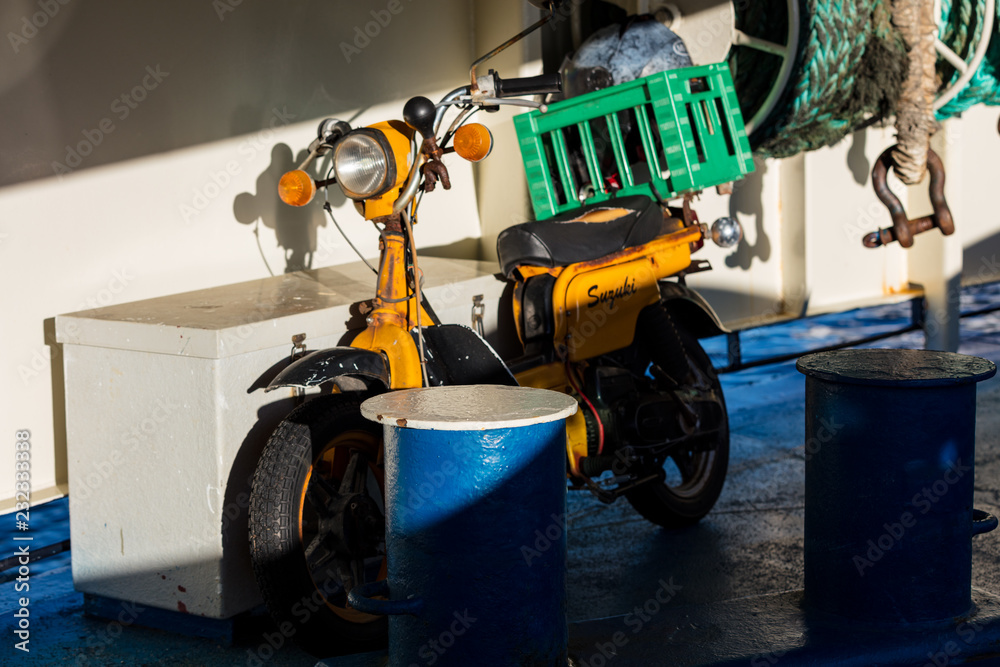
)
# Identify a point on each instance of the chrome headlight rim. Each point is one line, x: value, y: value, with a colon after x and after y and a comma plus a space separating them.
x: 388, y: 175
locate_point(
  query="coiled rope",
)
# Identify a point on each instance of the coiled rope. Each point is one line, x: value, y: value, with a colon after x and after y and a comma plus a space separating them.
x: 850, y: 69
x: 962, y: 26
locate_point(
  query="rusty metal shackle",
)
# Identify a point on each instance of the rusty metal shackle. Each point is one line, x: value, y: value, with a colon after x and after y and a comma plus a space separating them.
x: 903, y: 229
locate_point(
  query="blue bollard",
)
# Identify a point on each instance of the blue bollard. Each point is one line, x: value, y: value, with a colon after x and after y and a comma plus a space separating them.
x: 475, y: 526
x: 890, y: 452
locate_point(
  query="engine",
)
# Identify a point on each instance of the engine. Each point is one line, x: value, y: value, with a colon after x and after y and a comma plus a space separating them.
x: 640, y: 417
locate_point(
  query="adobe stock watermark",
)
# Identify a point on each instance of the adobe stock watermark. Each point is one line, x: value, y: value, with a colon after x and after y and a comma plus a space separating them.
x: 636, y: 620
x: 121, y: 107
x: 432, y: 651
x: 989, y: 269
x: 140, y: 433
x: 767, y: 659
x: 825, y: 433
x: 302, y: 611
x: 235, y: 337
x: 30, y: 25
x: 966, y: 631
x: 552, y: 534
x: 363, y: 36
x: 896, y: 531
x: 42, y: 359
x: 223, y: 7
x: 98, y: 643
x: 937, y: 318
x: 421, y: 493
x: 222, y: 177
x: 545, y: 538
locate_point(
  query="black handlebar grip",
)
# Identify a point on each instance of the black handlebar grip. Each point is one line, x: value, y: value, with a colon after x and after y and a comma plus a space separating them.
x: 529, y: 85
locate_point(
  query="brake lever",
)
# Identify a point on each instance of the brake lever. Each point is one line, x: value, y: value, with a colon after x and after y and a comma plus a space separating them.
x: 331, y: 130
x: 514, y: 102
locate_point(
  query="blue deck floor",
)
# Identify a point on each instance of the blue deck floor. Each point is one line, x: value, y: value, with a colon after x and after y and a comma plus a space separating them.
x: 751, y: 544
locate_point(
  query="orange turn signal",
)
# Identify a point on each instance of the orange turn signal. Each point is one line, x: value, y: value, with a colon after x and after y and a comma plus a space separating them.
x: 296, y: 188
x: 473, y: 142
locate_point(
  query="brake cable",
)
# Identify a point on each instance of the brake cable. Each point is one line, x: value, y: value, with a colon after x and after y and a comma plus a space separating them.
x: 329, y: 209
x: 416, y: 288
x: 460, y: 119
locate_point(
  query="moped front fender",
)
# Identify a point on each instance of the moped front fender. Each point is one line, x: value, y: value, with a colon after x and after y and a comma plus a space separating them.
x: 689, y: 308
x: 458, y: 355
x: 326, y: 365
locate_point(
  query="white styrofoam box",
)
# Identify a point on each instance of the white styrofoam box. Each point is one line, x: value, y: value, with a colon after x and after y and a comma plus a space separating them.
x: 167, y: 415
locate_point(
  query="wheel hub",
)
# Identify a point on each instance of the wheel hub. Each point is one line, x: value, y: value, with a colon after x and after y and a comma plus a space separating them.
x: 352, y: 526
x: 707, y: 29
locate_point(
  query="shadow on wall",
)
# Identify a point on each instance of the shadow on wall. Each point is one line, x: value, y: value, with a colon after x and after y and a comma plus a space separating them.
x: 745, y: 202
x: 462, y: 249
x: 58, y: 399
x: 981, y: 260
x: 87, y: 84
x: 856, y: 160
x: 294, y: 227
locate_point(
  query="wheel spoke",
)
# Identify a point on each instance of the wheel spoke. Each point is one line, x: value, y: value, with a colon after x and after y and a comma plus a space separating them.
x: 358, y: 570
x: 361, y: 477
x: 320, y: 491
x: 786, y: 53
x: 345, y: 571
x: 701, y: 442
x: 740, y: 38
x: 953, y: 58
x: 375, y: 493
x: 355, y: 475
x: 317, y: 554
x: 686, y: 464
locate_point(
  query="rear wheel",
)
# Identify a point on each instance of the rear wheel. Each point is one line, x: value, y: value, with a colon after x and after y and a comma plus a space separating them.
x: 317, y: 524
x: 693, y: 472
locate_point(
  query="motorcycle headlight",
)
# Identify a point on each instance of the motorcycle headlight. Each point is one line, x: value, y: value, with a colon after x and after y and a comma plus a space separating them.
x: 363, y: 164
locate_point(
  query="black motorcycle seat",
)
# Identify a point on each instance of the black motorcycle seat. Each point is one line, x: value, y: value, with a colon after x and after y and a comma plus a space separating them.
x: 580, y: 235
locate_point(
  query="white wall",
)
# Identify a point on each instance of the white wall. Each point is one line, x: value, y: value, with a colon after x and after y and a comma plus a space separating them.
x: 171, y: 192
x: 977, y: 141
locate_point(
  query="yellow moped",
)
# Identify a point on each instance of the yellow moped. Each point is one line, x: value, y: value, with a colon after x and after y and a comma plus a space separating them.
x: 600, y: 308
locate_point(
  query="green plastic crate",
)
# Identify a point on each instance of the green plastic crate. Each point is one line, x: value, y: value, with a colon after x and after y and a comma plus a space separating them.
x: 682, y: 137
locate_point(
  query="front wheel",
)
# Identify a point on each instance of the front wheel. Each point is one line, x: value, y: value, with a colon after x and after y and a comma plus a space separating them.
x: 692, y: 474
x: 317, y: 524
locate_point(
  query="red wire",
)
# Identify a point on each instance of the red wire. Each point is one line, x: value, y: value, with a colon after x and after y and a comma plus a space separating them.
x: 600, y: 424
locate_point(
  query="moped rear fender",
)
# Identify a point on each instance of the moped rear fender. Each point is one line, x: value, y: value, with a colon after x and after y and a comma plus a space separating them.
x: 326, y: 365
x: 690, y: 309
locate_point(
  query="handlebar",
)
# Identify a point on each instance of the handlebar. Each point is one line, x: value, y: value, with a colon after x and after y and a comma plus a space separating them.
x: 529, y: 85
x: 331, y: 129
